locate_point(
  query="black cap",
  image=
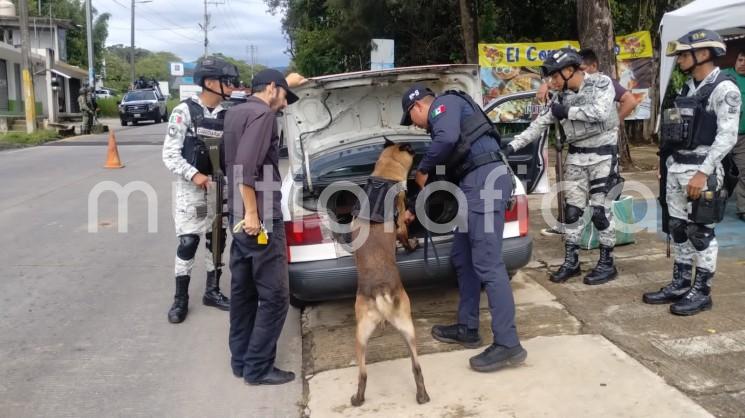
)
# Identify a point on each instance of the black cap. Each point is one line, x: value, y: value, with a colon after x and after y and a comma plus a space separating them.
x: 414, y: 93
x: 270, y: 76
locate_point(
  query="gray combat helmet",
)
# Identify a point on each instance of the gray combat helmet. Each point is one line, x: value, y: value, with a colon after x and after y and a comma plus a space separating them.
x: 216, y: 68
x: 560, y: 59
x: 697, y: 39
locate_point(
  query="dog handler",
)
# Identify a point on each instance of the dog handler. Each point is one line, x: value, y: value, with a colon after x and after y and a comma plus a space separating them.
x: 258, y: 257
x: 476, y: 253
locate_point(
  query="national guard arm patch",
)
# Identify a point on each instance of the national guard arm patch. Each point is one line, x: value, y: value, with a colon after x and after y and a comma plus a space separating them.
x: 439, y: 110
x: 176, y: 118
x: 603, y: 83
x: 733, y: 98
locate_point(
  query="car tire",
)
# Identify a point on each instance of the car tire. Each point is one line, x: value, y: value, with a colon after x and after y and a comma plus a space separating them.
x: 297, y: 303
x: 134, y: 123
x: 124, y: 122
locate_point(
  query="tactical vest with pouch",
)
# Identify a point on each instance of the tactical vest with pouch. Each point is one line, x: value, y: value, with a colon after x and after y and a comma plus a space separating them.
x: 689, y: 124
x: 577, y: 130
x: 472, y: 128
x: 204, y: 134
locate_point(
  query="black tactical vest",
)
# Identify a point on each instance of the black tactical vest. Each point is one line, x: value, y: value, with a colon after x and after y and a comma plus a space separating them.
x: 195, y: 150
x: 689, y: 124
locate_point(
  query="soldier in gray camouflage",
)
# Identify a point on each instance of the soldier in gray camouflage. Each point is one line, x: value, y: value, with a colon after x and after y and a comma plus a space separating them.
x: 696, y: 135
x: 185, y: 155
x: 586, y: 110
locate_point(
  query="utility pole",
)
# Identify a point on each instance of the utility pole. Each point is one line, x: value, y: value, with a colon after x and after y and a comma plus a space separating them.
x: 89, y: 23
x: 206, y: 26
x: 251, y: 52
x: 132, y: 45
x: 28, y: 82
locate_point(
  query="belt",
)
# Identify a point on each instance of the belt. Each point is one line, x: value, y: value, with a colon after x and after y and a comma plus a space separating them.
x: 601, y: 150
x: 485, y: 158
x: 688, y: 158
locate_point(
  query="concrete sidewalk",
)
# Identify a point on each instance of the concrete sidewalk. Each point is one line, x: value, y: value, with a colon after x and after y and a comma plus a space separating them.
x: 564, y: 376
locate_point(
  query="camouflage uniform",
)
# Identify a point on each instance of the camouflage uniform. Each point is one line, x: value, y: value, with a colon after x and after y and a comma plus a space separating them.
x: 588, y: 170
x: 193, y: 209
x: 85, y: 111
x: 725, y: 103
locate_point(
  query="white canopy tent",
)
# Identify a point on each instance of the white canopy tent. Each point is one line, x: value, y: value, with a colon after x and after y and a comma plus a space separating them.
x: 727, y: 17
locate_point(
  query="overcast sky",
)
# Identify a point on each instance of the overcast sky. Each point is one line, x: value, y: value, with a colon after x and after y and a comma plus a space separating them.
x: 172, y: 25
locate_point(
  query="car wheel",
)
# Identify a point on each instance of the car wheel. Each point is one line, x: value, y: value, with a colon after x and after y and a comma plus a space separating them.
x: 124, y: 122
x: 134, y: 123
x: 165, y: 117
x: 297, y: 303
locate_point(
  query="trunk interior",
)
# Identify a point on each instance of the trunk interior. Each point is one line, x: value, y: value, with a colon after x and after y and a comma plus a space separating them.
x: 355, y: 165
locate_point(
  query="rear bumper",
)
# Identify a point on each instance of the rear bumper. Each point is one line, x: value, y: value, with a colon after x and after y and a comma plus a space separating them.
x: 334, y: 279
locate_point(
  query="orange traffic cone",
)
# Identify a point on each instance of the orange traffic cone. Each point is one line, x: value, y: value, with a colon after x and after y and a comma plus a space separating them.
x: 112, y: 160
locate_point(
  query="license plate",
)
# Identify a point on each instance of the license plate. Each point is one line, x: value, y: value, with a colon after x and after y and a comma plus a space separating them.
x: 137, y: 115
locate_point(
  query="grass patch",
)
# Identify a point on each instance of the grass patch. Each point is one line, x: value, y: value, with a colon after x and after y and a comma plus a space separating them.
x: 108, y: 106
x: 36, y: 138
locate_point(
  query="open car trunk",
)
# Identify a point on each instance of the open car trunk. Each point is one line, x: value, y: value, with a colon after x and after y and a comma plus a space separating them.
x: 354, y: 164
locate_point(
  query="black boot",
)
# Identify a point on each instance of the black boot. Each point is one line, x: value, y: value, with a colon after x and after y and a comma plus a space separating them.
x: 675, y: 290
x: 570, y: 268
x: 212, y: 295
x: 458, y: 334
x: 496, y: 357
x: 180, y: 306
x: 604, y: 271
x: 698, y: 297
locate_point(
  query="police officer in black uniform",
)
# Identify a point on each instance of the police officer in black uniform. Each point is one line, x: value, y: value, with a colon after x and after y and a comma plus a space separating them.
x: 465, y: 142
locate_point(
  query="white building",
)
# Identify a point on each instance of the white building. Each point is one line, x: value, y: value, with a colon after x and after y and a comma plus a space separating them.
x: 48, y: 55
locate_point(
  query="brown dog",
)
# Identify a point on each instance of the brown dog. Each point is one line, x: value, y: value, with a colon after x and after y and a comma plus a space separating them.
x: 380, y: 294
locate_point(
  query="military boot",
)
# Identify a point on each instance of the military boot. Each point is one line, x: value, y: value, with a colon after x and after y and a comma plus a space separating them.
x: 675, y: 290
x: 698, y: 298
x: 212, y: 295
x: 570, y: 268
x: 180, y: 306
x: 605, y: 270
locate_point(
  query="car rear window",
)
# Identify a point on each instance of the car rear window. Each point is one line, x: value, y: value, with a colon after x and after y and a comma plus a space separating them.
x: 354, y: 162
x: 139, y: 95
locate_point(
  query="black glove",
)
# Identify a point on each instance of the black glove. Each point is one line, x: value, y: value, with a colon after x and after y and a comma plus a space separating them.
x: 559, y: 111
x: 506, y: 151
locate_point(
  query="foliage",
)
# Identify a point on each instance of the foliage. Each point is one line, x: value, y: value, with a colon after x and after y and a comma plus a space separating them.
x: 76, y: 38
x: 36, y: 138
x: 108, y: 107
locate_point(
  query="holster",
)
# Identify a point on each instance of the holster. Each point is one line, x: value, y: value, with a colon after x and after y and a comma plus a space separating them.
x: 709, y: 207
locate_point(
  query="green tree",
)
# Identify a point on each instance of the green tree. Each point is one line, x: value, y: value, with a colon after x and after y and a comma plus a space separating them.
x: 76, y: 37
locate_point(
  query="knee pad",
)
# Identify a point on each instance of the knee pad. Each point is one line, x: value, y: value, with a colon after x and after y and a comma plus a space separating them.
x: 700, y: 236
x: 599, y: 219
x: 187, y: 246
x: 572, y: 214
x: 678, y: 229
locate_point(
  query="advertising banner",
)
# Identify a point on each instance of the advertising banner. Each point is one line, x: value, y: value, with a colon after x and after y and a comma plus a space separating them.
x: 515, y: 67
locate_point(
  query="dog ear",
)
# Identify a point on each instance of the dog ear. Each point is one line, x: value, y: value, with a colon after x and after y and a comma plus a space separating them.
x: 407, y: 148
x: 388, y: 143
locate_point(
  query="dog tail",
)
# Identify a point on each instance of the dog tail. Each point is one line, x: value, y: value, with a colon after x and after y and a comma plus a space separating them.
x: 386, y: 304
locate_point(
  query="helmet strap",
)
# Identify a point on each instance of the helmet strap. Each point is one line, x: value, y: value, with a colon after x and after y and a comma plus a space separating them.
x: 566, y: 79
x: 221, y: 93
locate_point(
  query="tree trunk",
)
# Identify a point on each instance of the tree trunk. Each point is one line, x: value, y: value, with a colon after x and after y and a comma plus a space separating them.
x: 470, y: 28
x: 595, y: 27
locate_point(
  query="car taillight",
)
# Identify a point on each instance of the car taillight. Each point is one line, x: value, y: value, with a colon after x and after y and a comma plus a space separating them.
x: 304, y: 231
x: 519, y: 213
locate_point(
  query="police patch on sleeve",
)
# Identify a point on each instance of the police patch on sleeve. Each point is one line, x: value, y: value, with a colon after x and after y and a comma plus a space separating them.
x: 733, y: 98
x: 439, y: 110
x: 172, y: 131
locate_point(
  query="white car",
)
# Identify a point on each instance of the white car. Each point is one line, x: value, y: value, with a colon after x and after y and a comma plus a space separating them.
x: 104, y: 93
x: 336, y: 132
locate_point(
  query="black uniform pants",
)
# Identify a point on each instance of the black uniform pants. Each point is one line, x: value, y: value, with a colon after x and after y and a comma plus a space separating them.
x: 259, y: 300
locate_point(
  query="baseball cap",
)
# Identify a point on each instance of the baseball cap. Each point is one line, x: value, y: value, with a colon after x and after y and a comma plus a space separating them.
x: 414, y: 93
x: 270, y: 76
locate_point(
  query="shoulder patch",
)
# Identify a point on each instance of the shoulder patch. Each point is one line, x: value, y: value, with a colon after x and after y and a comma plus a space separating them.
x: 602, y: 82
x: 439, y: 110
x: 176, y: 117
x: 733, y: 98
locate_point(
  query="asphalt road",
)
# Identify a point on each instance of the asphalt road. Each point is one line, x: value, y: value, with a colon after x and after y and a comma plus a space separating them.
x: 83, y: 329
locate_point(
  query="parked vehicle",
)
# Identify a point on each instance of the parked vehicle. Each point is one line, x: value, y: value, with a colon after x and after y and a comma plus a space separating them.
x: 336, y: 132
x: 104, y: 93
x: 144, y: 104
